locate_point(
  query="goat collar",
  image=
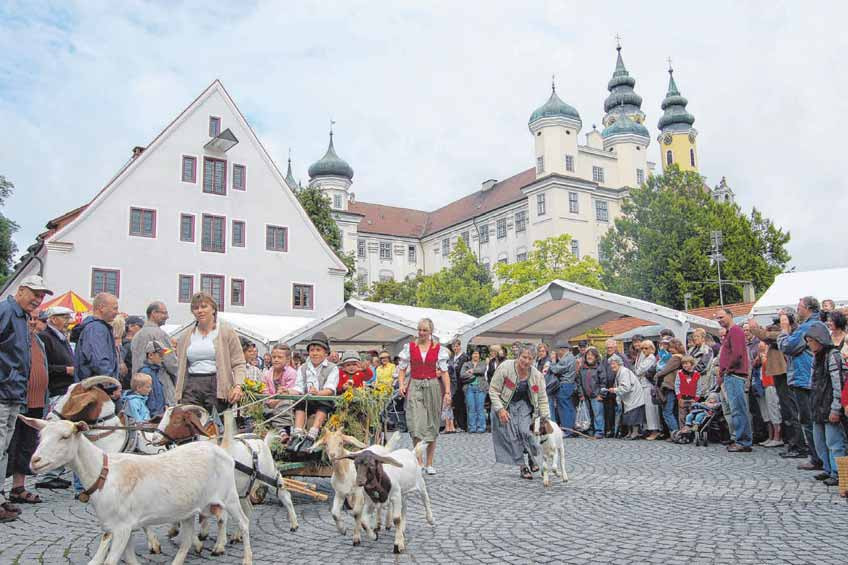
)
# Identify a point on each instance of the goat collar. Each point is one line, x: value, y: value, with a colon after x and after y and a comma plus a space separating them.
x: 98, y: 484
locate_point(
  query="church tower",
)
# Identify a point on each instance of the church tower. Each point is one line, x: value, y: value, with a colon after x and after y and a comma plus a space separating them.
x: 333, y: 176
x: 624, y: 132
x: 555, y: 126
x: 677, y: 138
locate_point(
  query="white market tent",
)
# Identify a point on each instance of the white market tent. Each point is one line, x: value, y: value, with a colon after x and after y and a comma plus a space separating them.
x: 360, y: 325
x: 560, y: 310
x: 263, y: 329
x: 788, y: 288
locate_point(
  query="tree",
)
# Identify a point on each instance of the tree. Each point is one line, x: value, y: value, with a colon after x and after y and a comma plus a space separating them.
x: 658, y: 249
x: 7, y: 229
x: 465, y: 286
x: 395, y: 292
x: 550, y: 259
x: 317, y: 205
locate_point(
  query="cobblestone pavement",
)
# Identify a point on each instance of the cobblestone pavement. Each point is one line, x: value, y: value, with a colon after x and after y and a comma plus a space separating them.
x: 626, y: 502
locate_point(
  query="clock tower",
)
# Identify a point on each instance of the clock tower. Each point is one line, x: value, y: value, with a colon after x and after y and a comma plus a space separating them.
x: 678, y: 139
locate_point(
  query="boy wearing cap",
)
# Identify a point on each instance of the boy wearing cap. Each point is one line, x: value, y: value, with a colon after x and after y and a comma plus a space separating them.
x: 316, y: 377
x: 351, y: 374
x: 163, y: 392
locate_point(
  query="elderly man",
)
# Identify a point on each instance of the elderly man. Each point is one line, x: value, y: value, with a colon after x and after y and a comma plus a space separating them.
x: 15, y: 365
x: 60, y: 373
x: 612, y: 410
x: 800, y: 377
x: 157, y: 315
x: 734, y: 369
x: 565, y: 370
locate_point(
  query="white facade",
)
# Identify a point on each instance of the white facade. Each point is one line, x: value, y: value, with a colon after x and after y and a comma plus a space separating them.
x: 109, y: 246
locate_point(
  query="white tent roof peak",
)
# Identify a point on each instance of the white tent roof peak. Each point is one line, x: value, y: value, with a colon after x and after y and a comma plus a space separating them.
x: 359, y: 323
x: 560, y: 310
x: 788, y: 288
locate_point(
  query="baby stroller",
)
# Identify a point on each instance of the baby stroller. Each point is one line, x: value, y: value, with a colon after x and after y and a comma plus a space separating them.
x: 395, y: 416
x: 713, y: 428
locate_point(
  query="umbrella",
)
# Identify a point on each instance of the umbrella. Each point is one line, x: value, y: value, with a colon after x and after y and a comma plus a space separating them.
x: 71, y: 300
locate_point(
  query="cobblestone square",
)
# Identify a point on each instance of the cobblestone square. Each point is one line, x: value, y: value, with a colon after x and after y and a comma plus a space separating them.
x: 626, y: 502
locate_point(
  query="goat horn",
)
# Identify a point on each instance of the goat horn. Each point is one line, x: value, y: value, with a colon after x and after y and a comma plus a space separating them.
x: 199, y: 410
x: 98, y: 380
x: 386, y: 460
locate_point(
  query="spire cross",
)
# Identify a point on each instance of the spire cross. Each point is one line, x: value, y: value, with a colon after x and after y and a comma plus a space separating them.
x: 618, y: 42
x: 553, y: 82
x: 332, y: 123
x: 289, y: 154
x: 670, y: 69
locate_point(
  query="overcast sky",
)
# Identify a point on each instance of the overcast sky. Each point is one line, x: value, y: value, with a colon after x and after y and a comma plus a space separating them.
x: 430, y: 98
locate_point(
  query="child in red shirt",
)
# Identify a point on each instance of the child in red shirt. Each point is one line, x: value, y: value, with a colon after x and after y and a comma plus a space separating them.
x: 351, y: 374
x: 686, y: 387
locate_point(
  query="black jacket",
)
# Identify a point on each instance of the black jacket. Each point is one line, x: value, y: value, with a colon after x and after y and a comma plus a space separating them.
x: 59, y: 358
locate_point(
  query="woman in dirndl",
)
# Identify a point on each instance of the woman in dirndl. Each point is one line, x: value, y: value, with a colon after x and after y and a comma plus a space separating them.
x: 518, y: 397
x: 427, y: 391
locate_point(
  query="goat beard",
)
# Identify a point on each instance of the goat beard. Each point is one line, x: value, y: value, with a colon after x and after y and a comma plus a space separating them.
x: 378, y: 485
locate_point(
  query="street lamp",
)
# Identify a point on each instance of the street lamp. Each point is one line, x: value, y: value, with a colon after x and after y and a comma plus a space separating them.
x: 717, y: 258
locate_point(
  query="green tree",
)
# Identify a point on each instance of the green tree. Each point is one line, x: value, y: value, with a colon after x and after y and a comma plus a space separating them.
x: 465, y: 285
x: 7, y: 229
x: 395, y: 292
x: 550, y: 259
x: 317, y: 205
x: 659, y: 248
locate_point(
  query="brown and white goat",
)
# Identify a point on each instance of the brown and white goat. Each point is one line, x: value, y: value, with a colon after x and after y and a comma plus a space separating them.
x: 390, y: 479
x: 134, y: 491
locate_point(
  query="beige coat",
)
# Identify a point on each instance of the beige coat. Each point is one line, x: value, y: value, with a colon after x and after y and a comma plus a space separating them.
x: 500, y: 394
x: 229, y: 359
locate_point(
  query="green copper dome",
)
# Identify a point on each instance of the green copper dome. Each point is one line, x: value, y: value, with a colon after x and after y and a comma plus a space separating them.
x: 622, y: 99
x: 625, y: 125
x: 331, y: 165
x: 554, y: 107
x: 675, y: 117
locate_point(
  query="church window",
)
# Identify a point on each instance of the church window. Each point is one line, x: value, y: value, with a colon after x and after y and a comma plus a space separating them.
x: 669, y: 158
x: 540, y: 165
x: 598, y: 174
x: 501, y: 228
x: 360, y: 248
x: 573, y: 203
x: 601, y: 211
x: 484, y: 233
x: 569, y: 163
x: 575, y: 248
x: 411, y: 254
x: 692, y: 157
x: 337, y: 201
x: 520, y: 221
x: 445, y: 247
x: 640, y: 177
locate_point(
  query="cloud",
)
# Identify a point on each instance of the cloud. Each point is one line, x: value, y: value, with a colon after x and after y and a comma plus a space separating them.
x: 429, y: 99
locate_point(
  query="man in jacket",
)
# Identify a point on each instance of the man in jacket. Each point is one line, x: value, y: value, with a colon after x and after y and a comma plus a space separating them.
x: 15, y: 365
x: 96, y: 353
x: 60, y: 374
x: 792, y: 343
x: 612, y: 411
x: 157, y: 315
x: 565, y: 370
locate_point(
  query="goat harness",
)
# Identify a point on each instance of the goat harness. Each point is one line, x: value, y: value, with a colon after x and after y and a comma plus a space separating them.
x: 253, y: 471
x: 98, y: 484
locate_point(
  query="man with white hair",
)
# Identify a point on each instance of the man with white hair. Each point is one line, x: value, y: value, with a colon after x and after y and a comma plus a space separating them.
x: 15, y: 365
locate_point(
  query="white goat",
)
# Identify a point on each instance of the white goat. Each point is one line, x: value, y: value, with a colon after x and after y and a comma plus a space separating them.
x: 553, y: 449
x: 390, y: 479
x: 343, y: 480
x: 112, y: 441
x: 134, y: 491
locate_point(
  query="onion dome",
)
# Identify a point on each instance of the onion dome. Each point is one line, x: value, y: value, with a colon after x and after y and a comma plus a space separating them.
x: 624, y: 125
x: 331, y: 164
x: 554, y: 108
x: 622, y: 99
x: 675, y: 117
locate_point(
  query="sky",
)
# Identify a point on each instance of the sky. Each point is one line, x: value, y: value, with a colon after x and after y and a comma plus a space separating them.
x: 429, y: 98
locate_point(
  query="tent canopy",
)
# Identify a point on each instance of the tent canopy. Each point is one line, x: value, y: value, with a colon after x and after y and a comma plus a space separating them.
x: 788, y: 288
x: 265, y: 330
x: 560, y: 310
x: 360, y: 324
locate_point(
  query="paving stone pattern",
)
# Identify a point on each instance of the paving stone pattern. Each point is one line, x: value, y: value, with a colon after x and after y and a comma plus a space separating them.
x: 626, y: 502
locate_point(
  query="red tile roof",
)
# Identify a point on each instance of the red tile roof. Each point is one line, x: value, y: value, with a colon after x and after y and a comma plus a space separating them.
x: 405, y: 222
x: 626, y: 323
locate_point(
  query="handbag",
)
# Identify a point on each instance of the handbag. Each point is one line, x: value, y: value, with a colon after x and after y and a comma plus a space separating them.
x: 656, y: 395
x: 552, y: 384
x: 581, y: 419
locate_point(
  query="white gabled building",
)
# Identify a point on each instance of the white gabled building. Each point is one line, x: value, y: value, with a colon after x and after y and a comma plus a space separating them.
x: 202, y: 207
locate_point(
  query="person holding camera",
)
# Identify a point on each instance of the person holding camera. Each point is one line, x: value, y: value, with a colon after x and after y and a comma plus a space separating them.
x: 792, y: 343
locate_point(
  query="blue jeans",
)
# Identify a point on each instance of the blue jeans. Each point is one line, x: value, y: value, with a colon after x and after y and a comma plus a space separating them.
x: 830, y: 444
x: 598, y: 415
x: 668, y: 411
x: 474, y: 398
x: 565, y: 408
x: 735, y: 388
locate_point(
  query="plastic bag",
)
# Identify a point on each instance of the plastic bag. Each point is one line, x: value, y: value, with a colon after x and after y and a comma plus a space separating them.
x: 581, y: 420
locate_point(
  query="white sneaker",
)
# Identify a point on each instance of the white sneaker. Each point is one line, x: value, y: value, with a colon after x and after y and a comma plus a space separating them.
x: 430, y: 470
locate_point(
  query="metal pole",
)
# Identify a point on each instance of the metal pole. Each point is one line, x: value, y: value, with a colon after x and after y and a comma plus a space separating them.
x: 720, y: 293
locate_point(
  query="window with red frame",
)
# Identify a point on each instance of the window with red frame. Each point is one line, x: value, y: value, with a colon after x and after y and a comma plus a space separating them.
x: 214, y: 176
x: 214, y: 285
x: 187, y: 228
x: 214, y: 126
x: 105, y: 280
x: 189, y: 169
x: 237, y: 292
x: 142, y: 222
x: 238, y: 233
x: 186, y: 288
x: 239, y: 177
x: 213, y: 234
x: 303, y: 297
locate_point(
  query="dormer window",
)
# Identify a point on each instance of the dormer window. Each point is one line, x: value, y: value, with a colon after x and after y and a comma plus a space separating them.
x: 214, y: 126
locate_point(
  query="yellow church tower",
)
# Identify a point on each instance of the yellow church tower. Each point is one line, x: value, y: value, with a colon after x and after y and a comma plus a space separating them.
x: 678, y: 139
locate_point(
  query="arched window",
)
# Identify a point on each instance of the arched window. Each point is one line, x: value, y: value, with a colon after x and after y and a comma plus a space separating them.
x: 668, y: 158
x: 692, y: 157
